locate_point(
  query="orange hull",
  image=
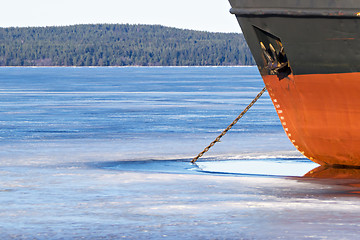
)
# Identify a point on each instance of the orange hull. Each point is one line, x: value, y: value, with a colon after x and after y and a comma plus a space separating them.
x: 320, y: 114
x: 308, y: 54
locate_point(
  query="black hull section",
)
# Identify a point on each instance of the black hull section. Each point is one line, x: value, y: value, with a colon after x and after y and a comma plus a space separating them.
x: 317, y: 39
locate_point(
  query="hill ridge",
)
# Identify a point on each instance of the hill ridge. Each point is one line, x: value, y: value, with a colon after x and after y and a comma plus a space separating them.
x: 120, y: 45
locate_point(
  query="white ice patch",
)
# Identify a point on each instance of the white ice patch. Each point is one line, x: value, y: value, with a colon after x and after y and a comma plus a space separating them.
x: 259, y: 167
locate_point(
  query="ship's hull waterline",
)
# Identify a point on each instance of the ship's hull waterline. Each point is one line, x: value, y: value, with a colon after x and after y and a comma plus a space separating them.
x: 308, y: 53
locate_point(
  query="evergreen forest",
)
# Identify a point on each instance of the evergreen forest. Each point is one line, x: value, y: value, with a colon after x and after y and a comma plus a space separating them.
x: 120, y: 45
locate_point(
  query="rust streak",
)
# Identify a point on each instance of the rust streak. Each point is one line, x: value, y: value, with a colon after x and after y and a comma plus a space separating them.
x: 339, y: 39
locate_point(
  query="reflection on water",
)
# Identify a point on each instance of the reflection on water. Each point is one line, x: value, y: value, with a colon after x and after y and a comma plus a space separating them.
x: 334, y: 173
x: 348, y: 178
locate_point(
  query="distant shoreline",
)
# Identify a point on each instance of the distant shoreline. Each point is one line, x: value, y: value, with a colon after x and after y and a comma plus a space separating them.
x: 120, y: 45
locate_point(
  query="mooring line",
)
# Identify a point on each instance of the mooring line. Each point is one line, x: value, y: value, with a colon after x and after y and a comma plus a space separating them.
x: 229, y: 127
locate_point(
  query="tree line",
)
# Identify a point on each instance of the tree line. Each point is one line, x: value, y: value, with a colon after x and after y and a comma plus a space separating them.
x: 120, y: 45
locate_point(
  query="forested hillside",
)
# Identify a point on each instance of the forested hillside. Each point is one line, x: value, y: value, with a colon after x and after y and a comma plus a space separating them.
x: 120, y: 45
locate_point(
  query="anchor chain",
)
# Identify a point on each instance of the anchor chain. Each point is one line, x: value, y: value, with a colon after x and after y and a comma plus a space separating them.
x: 229, y: 127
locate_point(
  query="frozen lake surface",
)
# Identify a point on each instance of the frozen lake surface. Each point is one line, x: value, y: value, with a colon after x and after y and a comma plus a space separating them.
x: 260, y: 167
x: 171, y: 199
x: 104, y: 153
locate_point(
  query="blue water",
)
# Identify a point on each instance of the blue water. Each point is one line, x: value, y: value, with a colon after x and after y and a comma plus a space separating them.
x: 103, y: 153
x: 142, y: 112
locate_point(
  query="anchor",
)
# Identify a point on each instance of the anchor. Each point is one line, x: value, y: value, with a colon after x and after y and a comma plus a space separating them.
x: 276, y: 63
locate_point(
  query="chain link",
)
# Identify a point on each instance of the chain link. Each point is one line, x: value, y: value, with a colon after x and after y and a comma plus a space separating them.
x: 229, y: 127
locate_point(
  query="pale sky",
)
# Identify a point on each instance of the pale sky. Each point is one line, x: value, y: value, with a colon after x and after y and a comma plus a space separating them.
x: 206, y: 15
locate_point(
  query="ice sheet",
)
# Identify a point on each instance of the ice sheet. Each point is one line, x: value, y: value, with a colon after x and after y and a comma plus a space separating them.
x: 92, y: 201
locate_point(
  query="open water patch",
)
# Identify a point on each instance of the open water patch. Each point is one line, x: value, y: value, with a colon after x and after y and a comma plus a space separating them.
x: 297, y: 167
